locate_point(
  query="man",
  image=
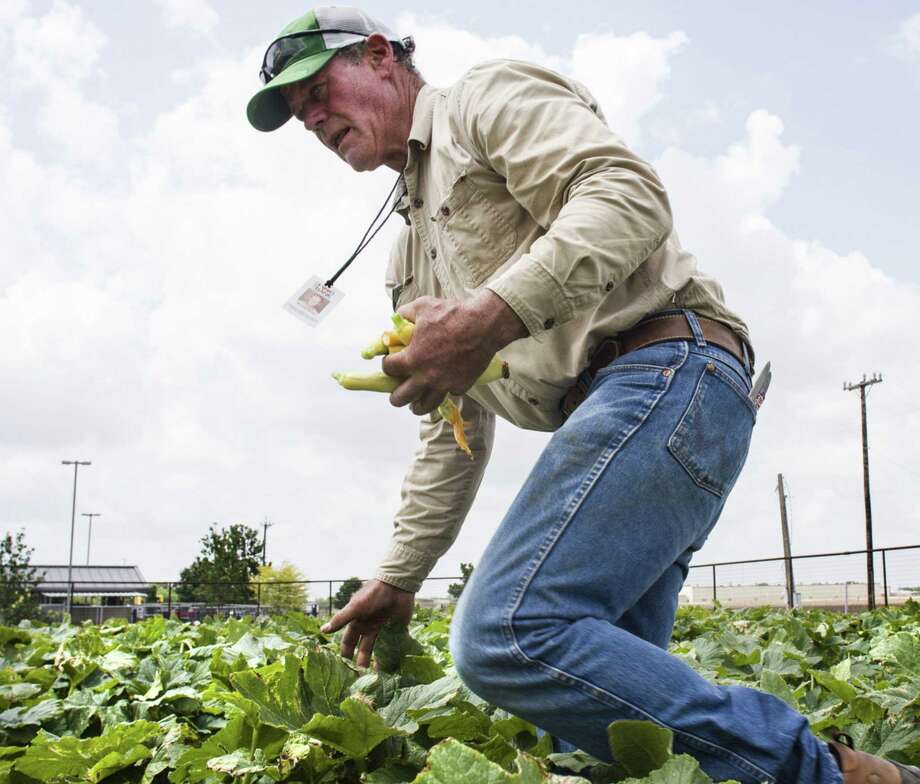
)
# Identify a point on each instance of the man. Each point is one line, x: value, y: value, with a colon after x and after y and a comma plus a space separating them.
x: 532, y: 230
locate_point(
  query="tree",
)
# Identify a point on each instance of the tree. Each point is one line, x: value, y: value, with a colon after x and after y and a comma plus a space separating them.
x: 455, y: 589
x: 18, y: 599
x: 288, y: 595
x: 230, y: 556
x: 343, y: 595
x: 157, y: 593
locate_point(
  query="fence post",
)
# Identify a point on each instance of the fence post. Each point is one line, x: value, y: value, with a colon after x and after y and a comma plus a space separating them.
x: 169, y: 603
x: 258, y: 598
x: 330, y: 598
x: 714, y: 598
x: 885, y: 577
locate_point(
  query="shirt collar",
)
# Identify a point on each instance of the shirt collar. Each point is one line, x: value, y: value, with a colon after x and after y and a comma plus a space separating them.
x: 422, y: 116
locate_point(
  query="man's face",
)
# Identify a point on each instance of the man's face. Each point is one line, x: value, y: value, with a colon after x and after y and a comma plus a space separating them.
x: 345, y: 105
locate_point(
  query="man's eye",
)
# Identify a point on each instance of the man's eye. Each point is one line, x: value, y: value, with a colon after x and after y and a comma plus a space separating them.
x: 316, y: 92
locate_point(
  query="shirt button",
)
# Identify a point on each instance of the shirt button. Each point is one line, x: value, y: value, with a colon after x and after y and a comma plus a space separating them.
x: 433, y: 253
x: 548, y: 324
x: 609, y: 285
x: 445, y: 211
x: 418, y: 203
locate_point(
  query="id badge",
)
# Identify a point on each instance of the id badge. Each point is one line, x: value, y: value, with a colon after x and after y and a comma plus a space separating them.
x: 313, y: 301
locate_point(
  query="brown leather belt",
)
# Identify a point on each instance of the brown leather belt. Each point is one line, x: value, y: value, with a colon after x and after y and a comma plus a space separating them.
x: 655, y: 329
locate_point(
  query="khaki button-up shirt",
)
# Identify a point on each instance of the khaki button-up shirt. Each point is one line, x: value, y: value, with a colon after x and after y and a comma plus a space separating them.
x: 515, y: 183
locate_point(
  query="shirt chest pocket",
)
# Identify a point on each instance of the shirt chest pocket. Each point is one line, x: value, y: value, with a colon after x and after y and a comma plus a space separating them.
x: 476, y: 236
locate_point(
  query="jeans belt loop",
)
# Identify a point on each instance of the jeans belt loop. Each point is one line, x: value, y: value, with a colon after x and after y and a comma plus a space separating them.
x: 695, y: 327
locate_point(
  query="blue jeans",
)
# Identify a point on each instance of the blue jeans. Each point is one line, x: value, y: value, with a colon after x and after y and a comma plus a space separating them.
x: 567, y: 618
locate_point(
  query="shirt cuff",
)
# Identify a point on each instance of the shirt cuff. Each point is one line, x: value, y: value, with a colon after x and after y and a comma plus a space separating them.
x: 405, y: 568
x: 534, y: 295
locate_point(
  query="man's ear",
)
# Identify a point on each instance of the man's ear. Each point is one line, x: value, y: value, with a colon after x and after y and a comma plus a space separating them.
x: 379, y: 52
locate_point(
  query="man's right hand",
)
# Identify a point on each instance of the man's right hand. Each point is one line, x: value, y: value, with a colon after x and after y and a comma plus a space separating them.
x: 366, y: 614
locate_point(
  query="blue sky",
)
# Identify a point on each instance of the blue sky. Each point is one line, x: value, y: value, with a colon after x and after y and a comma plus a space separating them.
x: 151, y: 237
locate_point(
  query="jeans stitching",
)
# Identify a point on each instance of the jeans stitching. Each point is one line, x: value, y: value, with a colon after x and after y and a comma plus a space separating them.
x: 548, y: 543
x: 737, y: 389
x: 699, y: 394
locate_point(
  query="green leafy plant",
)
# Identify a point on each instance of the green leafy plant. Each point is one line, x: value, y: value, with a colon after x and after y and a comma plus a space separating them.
x: 270, y: 700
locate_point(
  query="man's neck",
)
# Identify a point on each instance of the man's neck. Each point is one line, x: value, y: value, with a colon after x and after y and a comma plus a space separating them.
x: 408, y: 87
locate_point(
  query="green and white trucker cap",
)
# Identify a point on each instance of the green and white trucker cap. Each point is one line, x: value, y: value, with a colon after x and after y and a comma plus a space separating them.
x: 300, y: 50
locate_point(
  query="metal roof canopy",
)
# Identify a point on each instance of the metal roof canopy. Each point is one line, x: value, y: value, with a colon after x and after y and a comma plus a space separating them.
x: 91, y: 580
x: 107, y: 594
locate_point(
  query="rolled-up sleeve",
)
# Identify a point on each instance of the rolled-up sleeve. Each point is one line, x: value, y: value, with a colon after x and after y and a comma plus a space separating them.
x: 437, y: 494
x: 603, y: 208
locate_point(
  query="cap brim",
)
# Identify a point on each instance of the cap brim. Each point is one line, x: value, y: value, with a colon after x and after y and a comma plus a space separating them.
x: 267, y: 110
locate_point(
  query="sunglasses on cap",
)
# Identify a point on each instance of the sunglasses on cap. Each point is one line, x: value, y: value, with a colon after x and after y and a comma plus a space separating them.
x: 283, y: 50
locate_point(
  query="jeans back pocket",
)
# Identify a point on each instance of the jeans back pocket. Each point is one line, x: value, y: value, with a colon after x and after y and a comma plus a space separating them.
x: 712, y: 438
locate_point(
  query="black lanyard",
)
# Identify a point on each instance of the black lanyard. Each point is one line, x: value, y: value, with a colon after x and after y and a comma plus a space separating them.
x: 365, y: 240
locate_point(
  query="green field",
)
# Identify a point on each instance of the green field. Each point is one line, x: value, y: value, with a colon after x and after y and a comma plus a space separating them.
x: 268, y: 701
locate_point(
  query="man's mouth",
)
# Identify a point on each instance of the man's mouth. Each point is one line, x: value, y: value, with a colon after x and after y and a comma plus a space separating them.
x: 337, y: 139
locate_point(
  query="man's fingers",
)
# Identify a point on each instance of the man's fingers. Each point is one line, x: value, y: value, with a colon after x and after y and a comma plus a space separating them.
x: 410, y: 310
x: 366, y: 648
x: 338, y: 620
x: 349, y: 641
x: 397, y: 365
x: 428, y: 402
x: 407, y: 392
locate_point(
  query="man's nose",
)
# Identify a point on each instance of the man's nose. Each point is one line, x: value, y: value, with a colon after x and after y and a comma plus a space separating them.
x: 314, y: 117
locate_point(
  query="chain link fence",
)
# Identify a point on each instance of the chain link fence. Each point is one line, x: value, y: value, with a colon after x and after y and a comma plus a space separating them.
x: 821, y: 580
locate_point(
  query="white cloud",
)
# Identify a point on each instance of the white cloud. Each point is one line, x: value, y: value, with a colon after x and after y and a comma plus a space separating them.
x: 759, y: 169
x: 53, y: 55
x: 197, y: 15
x: 445, y: 53
x: 625, y: 73
x: 906, y: 43
x: 62, y: 46
x: 85, y: 130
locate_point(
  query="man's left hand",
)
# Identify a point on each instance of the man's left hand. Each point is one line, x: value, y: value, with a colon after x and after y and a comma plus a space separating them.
x: 366, y: 614
x: 451, y: 346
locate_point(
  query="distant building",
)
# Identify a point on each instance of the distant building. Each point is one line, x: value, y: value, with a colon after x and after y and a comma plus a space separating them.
x: 829, y: 596
x: 99, y: 592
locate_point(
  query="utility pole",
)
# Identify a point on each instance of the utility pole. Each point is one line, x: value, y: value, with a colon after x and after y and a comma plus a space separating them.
x: 870, y: 565
x: 89, y: 537
x: 73, y: 513
x: 265, y: 526
x: 787, y: 554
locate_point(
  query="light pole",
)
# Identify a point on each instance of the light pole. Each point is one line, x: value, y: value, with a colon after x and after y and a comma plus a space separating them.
x: 73, y: 513
x: 89, y: 537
